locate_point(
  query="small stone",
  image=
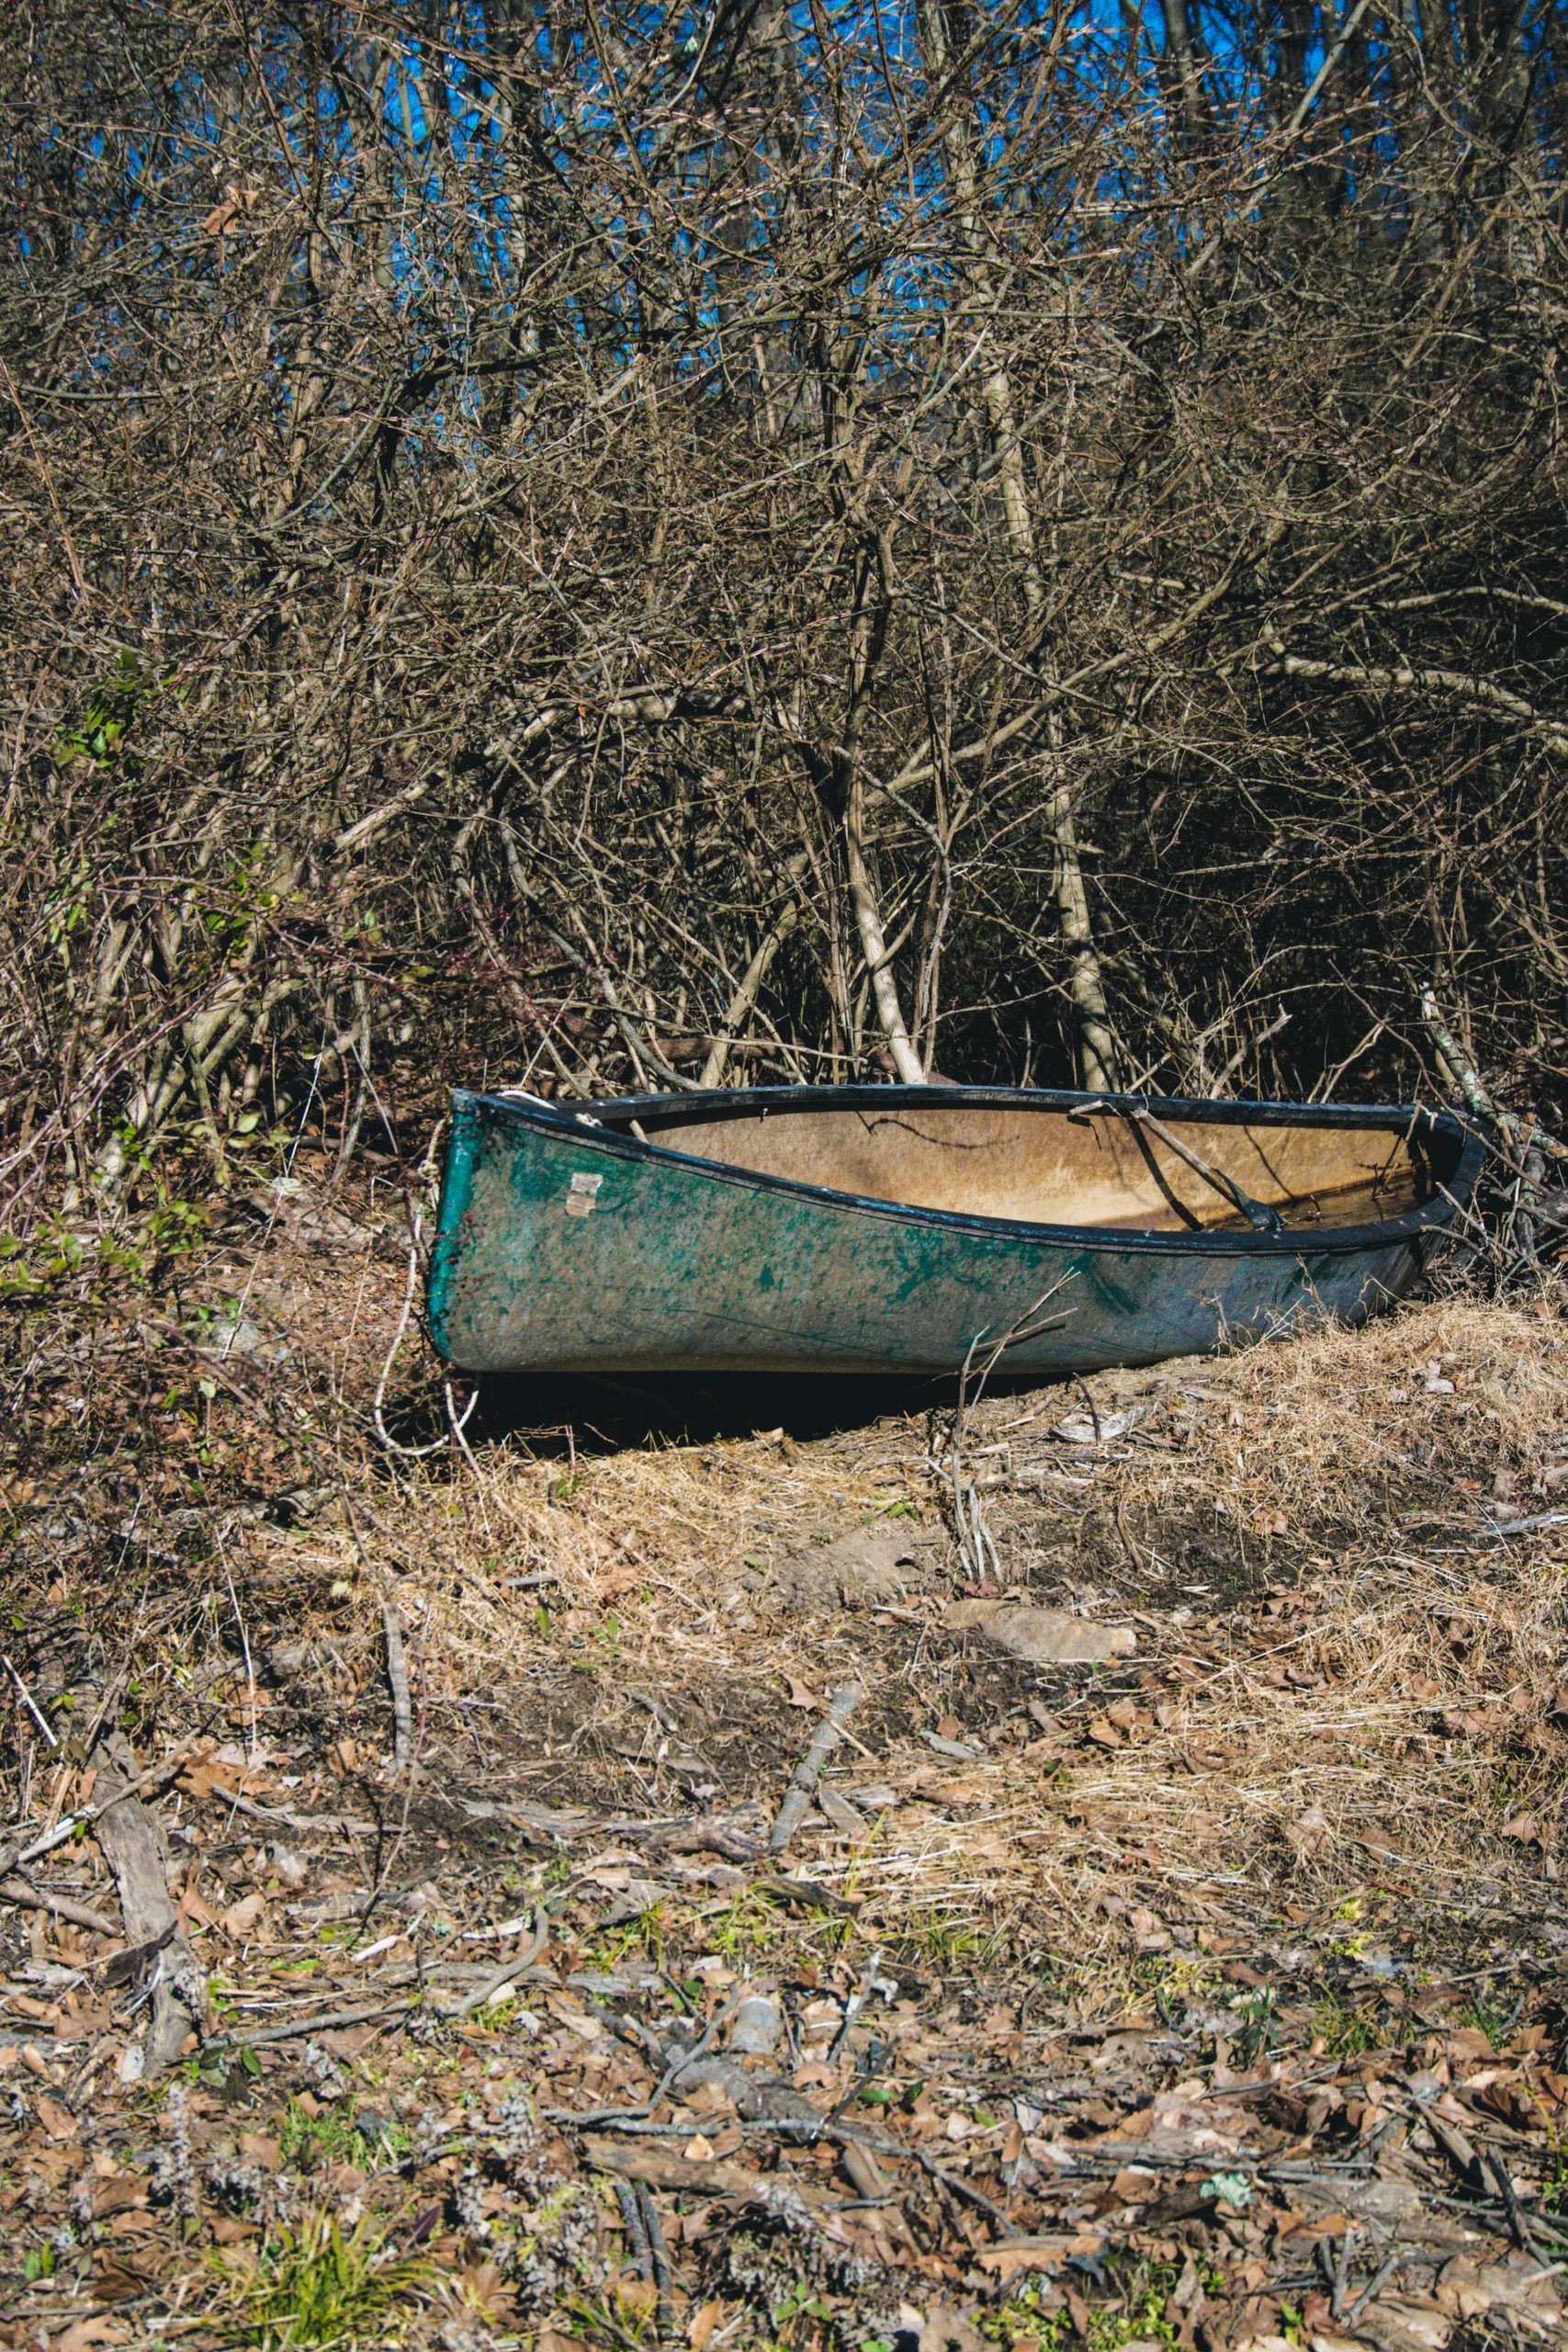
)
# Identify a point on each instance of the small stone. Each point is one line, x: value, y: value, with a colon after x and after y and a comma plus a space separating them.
x: 290, y: 1867
x: 756, y: 2027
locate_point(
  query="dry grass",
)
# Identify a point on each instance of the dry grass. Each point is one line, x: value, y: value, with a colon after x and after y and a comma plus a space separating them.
x: 1360, y: 1702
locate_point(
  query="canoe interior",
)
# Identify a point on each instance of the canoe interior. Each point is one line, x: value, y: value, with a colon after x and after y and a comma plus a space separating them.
x: 1044, y: 1166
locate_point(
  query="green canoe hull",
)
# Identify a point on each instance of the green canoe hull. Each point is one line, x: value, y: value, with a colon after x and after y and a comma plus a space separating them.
x: 565, y: 1245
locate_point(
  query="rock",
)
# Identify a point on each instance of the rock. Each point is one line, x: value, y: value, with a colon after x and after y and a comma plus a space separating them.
x: 1386, y: 2204
x: 1040, y: 1637
x: 291, y: 1868
x: 756, y: 2027
x: 633, y: 1901
x: 243, y: 1919
x: 233, y: 1333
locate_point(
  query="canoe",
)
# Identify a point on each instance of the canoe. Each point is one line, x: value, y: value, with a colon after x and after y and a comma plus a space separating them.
x: 877, y: 1229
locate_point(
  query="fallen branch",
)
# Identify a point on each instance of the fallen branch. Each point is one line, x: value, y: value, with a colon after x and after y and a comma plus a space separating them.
x: 34, y: 1898
x: 1462, y: 1071
x: 302, y: 2029
x: 398, y: 1676
x: 709, y: 2176
x: 133, y: 1848
x: 15, y: 1852
x: 658, y: 2262
x: 808, y: 1771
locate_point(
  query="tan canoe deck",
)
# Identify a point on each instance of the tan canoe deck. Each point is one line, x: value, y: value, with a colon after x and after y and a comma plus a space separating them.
x: 1082, y: 1168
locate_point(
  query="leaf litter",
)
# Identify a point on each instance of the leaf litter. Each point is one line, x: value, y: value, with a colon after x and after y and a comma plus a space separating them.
x: 1168, y: 1950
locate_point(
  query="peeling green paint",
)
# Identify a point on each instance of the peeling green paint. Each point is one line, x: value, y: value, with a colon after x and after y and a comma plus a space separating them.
x: 561, y: 1248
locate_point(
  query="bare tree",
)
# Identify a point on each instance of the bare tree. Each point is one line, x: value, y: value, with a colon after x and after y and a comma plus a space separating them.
x: 617, y: 549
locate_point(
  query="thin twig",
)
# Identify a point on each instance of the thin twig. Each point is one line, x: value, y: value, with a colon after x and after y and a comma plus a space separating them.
x: 631, y: 2222
x: 659, y: 2256
x: 245, y: 1653
x: 1516, y: 2222
x: 1379, y: 2278
x: 29, y: 1702
x: 38, y: 1898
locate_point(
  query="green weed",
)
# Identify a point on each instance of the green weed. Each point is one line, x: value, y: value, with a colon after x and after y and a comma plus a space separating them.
x: 945, y: 1942
x: 1493, y: 2017
x: 309, y: 2140
x: 639, y: 1939
x: 1257, y: 2037
x: 752, y: 1923
x: 312, y: 2285
x: 1023, y: 2324
x: 1345, y: 2031
x: 55, y: 1253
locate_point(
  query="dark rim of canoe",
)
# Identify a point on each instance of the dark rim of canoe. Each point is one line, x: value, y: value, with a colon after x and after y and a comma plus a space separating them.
x: 604, y: 1126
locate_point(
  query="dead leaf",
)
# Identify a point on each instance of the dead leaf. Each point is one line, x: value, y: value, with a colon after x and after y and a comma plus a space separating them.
x: 126, y: 2192
x: 1040, y: 1637
x: 237, y: 205
x: 117, y: 2281
x: 703, y: 2322
x: 948, y: 2331
x: 82, y: 2333
x: 1015, y: 2255
x: 1149, y: 1930
x: 1408, y: 2327
x: 1308, y: 1833
x: 243, y: 1919
x: 1459, y: 2291
x: 802, y: 1695
x: 56, y: 2121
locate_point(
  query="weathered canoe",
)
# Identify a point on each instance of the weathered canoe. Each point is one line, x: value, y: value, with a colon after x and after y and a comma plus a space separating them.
x: 896, y: 1229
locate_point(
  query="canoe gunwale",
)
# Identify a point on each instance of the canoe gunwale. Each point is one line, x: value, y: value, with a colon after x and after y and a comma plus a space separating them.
x: 581, y: 1128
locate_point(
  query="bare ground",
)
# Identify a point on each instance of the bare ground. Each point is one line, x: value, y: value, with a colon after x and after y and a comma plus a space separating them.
x: 1210, y: 1995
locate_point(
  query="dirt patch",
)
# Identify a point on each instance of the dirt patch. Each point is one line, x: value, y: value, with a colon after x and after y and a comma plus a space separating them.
x: 867, y: 1567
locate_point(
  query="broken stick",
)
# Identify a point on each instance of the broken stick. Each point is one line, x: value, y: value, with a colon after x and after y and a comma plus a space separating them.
x: 397, y: 1678
x: 132, y: 1847
x: 658, y: 2262
x: 808, y: 1771
x: 38, y: 1898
